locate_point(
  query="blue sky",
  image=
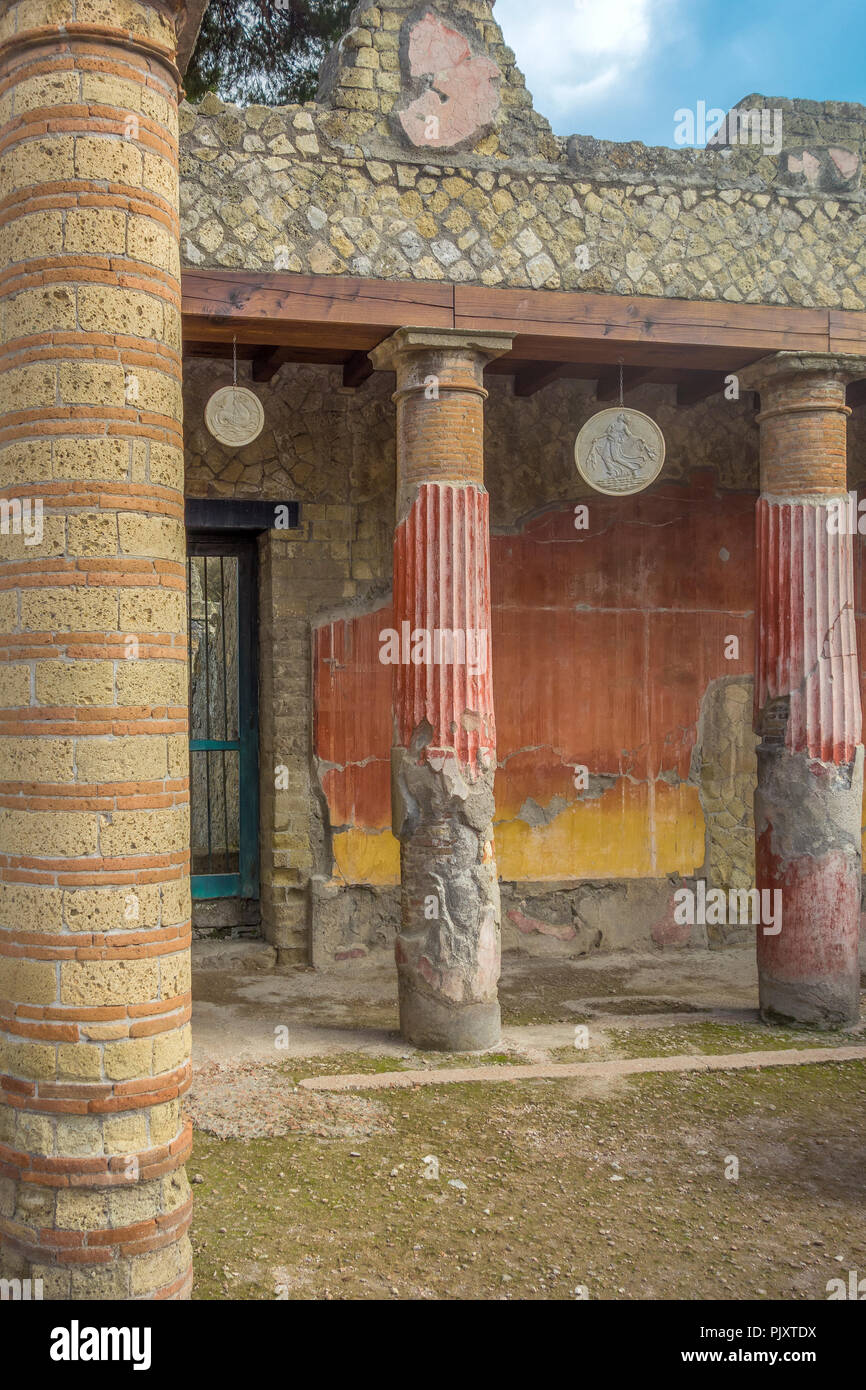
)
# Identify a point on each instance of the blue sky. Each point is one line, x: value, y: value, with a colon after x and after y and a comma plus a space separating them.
x: 619, y: 69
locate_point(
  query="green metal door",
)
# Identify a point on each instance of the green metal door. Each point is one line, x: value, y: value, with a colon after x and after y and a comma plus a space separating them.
x: 223, y: 716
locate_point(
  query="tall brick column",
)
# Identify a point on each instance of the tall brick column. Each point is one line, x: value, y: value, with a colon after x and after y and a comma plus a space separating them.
x: 94, y: 834
x: 807, y: 693
x: 444, y: 755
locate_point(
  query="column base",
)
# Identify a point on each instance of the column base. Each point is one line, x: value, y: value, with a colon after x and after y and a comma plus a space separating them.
x: 807, y: 852
x: 437, y: 1026
x: 824, y: 1004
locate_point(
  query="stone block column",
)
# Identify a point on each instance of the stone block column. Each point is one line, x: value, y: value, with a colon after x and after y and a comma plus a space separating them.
x: 94, y: 825
x: 444, y: 754
x: 807, y: 694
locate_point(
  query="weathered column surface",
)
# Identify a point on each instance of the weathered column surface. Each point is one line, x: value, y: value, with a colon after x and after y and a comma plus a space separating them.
x: 94, y: 838
x: 444, y: 755
x: 807, y: 693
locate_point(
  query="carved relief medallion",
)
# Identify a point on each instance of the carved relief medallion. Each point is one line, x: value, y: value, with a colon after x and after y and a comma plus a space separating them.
x: 619, y: 451
x: 234, y: 416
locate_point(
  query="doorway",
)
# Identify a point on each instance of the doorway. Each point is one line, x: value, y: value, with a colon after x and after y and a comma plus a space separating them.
x: 223, y: 716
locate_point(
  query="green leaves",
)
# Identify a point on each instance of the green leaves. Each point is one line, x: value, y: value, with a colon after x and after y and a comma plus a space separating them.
x: 256, y: 52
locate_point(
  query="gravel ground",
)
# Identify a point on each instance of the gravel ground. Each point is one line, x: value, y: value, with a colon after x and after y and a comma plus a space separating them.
x: 249, y: 1101
x: 542, y: 1188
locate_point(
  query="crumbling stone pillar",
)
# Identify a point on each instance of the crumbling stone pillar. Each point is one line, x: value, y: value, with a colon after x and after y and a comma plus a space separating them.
x: 807, y: 694
x: 94, y: 827
x: 444, y: 755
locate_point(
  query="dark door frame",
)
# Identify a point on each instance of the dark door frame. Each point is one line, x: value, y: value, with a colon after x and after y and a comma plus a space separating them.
x: 244, y: 883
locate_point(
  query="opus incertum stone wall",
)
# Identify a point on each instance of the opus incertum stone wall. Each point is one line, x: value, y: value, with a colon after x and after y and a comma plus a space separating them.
x: 94, y: 825
x: 424, y: 158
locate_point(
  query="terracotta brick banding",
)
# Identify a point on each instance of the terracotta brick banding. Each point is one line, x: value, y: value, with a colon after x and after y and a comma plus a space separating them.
x: 104, y: 38
x: 94, y: 840
x: 112, y: 270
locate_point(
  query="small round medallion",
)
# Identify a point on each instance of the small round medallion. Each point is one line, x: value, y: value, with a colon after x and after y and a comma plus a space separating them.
x: 619, y: 451
x: 234, y: 416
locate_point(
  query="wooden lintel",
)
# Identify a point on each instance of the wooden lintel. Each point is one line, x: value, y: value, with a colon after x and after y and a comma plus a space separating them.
x: 607, y: 387
x: 528, y: 380
x: 348, y: 314
x: 611, y: 318
x: 357, y: 369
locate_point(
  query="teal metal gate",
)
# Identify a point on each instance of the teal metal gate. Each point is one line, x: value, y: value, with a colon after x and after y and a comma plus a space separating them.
x: 223, y: 716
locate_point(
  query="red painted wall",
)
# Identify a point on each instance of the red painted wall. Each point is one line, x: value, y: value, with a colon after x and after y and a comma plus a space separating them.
x: 604, y: 641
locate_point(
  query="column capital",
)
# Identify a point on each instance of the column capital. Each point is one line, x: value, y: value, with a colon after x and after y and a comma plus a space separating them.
x: 788, y: 366
x: 407, y: 343
x: 192, y: 10
x: 165, y: 30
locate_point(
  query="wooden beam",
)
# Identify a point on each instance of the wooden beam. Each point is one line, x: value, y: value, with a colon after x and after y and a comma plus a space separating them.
x: 610, y: 318
x: 846, y: 331
x: 699, y: 388
x: 266, y: 363
x: 308, y: 310
x: 534, y: 378
x: 348, y: 314
x: 248, y: 351
x: 607, y: 387
x: 357, y: 369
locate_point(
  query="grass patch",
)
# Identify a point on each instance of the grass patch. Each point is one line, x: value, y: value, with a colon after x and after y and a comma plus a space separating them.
x: 703, y: 1040
x: 362, y: 1063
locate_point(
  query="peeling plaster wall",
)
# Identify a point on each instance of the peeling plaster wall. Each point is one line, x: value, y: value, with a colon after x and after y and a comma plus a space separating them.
x: 605, y: 642
x: 608, y: 651
x: 725, y: 766
x: 605, y: 646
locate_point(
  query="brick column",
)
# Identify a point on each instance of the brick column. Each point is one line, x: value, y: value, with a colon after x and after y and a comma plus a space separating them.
x: 807, y: 693
x: 444, y: 755
x: 94, y: 826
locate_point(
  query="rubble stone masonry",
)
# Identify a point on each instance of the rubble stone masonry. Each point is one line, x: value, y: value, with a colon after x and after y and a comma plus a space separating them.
x: 352, y: 184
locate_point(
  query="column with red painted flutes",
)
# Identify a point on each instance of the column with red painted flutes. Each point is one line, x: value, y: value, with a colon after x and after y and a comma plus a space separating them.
x: 444, y: 753
x: 808, y: 805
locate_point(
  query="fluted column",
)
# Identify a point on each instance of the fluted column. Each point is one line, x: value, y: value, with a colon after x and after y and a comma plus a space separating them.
x: 444, y: 754
x: 94, y: 823
x: 807, y: 694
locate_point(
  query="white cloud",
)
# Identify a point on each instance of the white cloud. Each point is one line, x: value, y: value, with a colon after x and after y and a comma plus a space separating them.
x: 567, y: 97
x: 574, y: 52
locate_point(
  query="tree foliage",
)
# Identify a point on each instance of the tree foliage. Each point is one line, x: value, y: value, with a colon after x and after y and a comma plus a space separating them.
x: 262, y: 51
